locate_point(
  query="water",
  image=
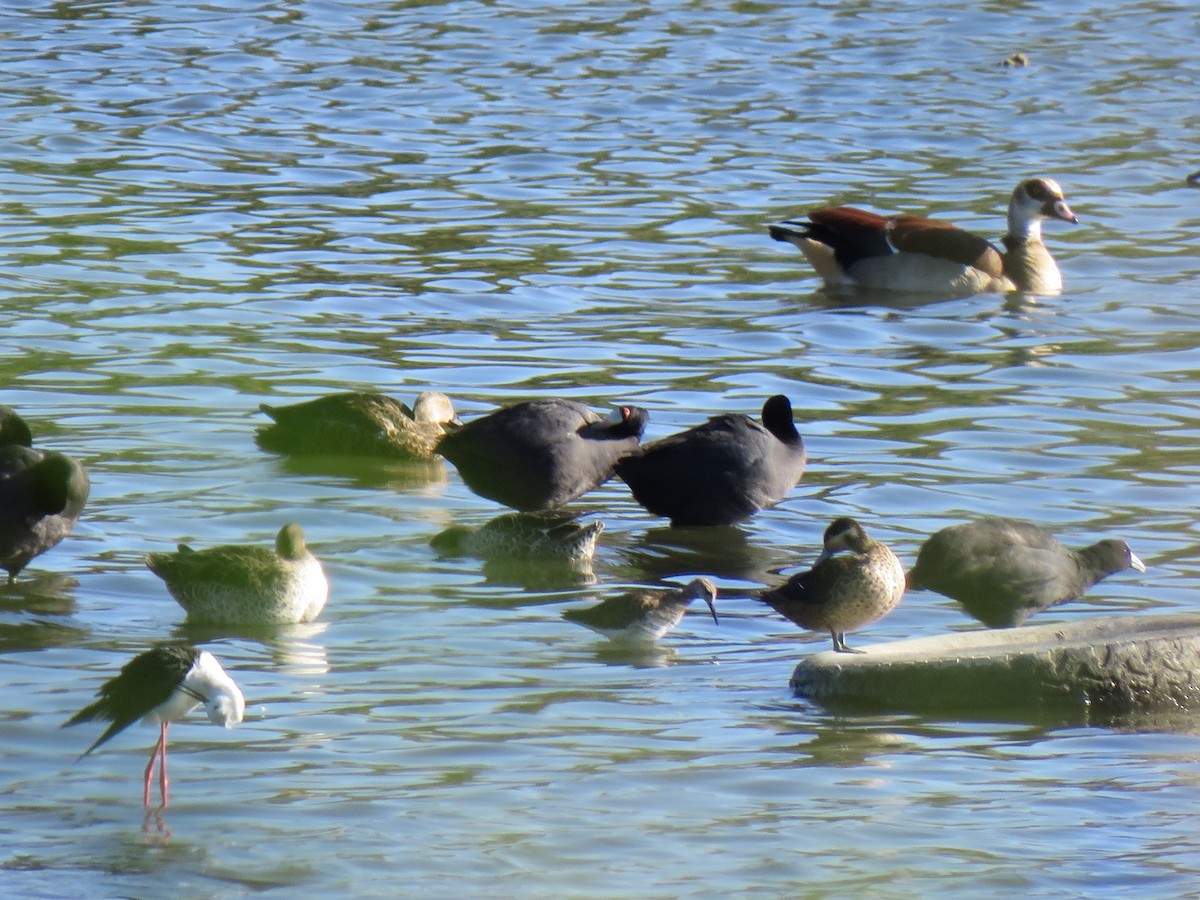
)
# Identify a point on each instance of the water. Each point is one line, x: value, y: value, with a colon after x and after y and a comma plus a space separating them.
x: 209, y: 208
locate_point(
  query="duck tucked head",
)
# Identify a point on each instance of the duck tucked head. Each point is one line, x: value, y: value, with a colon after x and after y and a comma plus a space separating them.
x: 289, y: 543
x: 843, y: 533
x: 435, y: 408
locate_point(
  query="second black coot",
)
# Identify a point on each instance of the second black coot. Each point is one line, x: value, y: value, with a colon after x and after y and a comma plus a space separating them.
x: 543, y: 453
x: 721, y: 472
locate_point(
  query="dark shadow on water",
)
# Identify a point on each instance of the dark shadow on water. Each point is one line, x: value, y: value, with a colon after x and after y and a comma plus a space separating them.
x: 724, y: 551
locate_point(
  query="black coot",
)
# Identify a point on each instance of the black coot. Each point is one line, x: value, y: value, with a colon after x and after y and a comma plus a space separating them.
x: 542, y: 454
x: 721, y: 472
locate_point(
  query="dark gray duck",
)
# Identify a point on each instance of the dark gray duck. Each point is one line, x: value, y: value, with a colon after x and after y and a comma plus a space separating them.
x: 721, y: 472
x: 644, y: 615
x: 842, y: 593
x: 1004, y: 570
x: 359, y: 424
x: 42, y: 494
x: 542, y: 454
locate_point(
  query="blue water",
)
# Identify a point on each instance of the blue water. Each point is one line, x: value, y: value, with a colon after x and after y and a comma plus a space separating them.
x: 209, y: 208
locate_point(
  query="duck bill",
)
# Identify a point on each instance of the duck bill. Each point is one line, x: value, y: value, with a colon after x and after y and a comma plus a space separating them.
x: 1135, y: 563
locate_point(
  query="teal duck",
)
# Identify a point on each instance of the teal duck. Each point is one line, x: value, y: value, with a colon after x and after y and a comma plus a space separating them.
x: 644, y: 615
x: 842, y: 593
x: 42, y: 494
x: 1004, y: 570
x: 235, y: 585
x: 529, y: 536
x: 359, y: 424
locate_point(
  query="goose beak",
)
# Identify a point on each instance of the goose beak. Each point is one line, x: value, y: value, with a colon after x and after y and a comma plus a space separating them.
x: 1135, y: 563
x: 1058, y: 209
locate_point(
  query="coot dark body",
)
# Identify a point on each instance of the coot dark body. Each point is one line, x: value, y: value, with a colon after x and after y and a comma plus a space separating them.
x: 542, y: 454
x: 1004, y: 570
x: 721, y: 472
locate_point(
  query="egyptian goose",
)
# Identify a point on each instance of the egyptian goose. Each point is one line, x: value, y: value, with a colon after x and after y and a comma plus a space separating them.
x: 842, y: 593
x: 237, y: 585
x: 359, y: 424
x: 159, y: 687
x: 42, y: 494
x: 720, y: 472
x: 644, y: 615
x: 1004, y: 570
x: 852, y: 248
x: 544, y: 453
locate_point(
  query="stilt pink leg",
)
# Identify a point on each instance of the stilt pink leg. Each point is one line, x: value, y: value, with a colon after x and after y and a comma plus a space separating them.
x: 162, y: 767
x: 161, y: 746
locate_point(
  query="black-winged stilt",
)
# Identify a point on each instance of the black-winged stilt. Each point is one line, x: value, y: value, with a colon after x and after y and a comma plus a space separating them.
x: 161, y: 686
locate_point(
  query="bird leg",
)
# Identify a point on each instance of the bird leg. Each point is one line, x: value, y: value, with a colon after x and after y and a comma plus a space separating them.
x: 162, y: 767
x: 839, y: 643
x: 160, y: 747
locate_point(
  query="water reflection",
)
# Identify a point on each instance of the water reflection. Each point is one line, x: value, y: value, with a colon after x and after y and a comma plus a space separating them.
x: 369, y: 473
x: 634, y: 654
x: 39, y: 634
x: 292, y: 649
x: 726, y: 551
x: 40, y: 592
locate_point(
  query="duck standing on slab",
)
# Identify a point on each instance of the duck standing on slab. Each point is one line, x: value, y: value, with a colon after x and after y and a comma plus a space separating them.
x: 721, y: 472
x: 42, y: 494
x: 159, y: 687
x: 1004, y: 570
x: 853, y: 248
x: 542, y: 454
x: 842, y: 593
x: 359, y: 424
x: 234, y: 585
x: 644, y: 615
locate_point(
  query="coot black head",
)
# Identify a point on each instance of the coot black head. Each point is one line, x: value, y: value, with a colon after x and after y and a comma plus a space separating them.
x: 720, y: 472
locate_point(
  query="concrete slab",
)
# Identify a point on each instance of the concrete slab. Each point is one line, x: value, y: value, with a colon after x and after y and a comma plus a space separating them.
x: 1114, y: 664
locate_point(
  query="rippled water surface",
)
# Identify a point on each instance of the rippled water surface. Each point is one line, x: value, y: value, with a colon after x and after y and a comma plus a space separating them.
x: 210, y: 207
